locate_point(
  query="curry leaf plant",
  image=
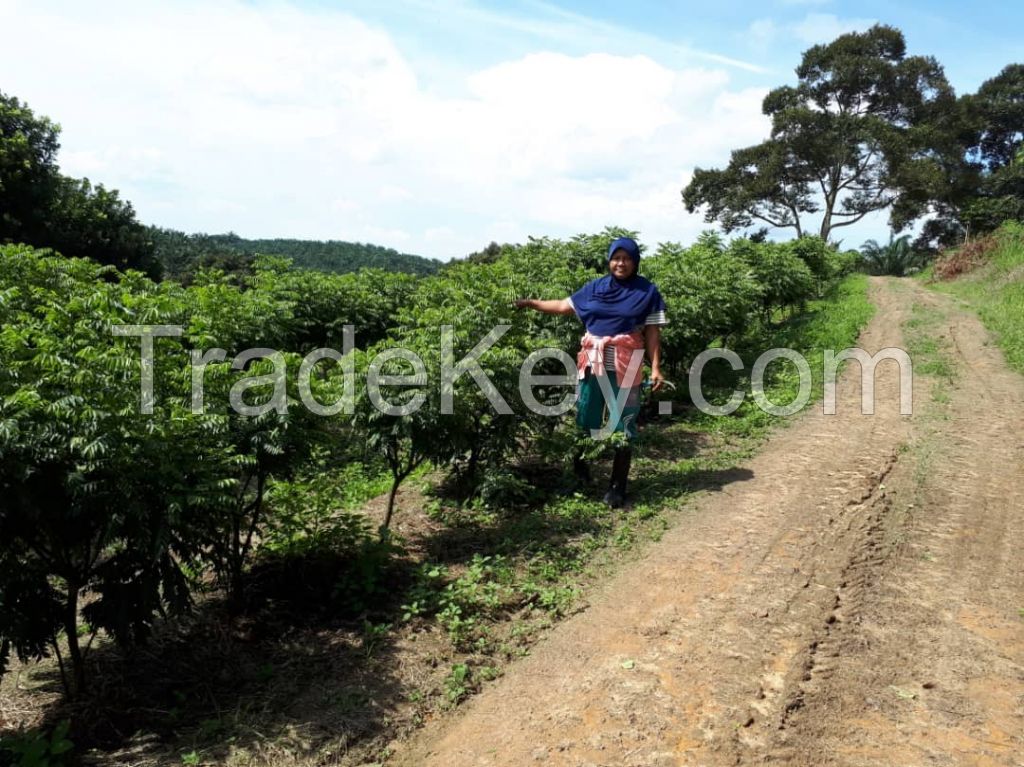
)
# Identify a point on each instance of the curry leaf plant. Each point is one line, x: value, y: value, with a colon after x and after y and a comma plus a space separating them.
x: 92, y: 492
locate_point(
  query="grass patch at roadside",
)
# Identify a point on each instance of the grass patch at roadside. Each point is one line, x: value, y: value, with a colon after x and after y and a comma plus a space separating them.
x: 832, y: 323
x: 996, y: 292
x: 926, y: 342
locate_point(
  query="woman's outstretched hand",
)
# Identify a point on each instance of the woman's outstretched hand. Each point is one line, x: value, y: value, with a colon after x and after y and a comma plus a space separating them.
x: 547, y: 306
x: 657, y: 380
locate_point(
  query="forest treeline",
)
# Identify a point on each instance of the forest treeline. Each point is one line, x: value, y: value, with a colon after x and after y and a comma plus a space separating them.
x: 182, y: 255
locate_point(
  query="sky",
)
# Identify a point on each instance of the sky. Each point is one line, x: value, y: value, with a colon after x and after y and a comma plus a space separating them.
x: 437, y: 127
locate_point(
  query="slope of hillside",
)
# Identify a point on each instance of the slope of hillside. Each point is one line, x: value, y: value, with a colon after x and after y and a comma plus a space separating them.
x: 992, y: 283
x: 335, y: 255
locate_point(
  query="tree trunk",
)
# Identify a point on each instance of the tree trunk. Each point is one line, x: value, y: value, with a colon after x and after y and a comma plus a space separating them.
x: 474, y: 461
x: 234, y: 563
x: 242, y: 548
x: 386, y: 526
x: 74, y: 649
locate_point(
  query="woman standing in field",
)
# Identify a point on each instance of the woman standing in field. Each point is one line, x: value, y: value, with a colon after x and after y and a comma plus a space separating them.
x: 623, y: 314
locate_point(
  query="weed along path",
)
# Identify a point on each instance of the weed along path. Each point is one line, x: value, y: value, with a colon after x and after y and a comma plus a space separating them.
x: 858, y: 600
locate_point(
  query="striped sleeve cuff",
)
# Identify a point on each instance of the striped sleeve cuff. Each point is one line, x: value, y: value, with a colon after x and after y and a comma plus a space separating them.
x: 656, y: 318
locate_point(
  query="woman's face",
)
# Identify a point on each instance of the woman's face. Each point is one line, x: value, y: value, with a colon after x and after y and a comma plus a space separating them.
x: 621, y: 265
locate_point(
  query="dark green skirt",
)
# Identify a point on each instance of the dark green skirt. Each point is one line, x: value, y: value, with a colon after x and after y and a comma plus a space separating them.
x: 592, y: 404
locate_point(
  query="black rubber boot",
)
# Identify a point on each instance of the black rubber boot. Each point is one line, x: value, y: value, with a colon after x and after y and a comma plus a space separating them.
x: 580, y: 469
x: 616, y: 495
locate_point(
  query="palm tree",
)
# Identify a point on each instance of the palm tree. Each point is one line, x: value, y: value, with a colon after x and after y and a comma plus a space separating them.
x: 897, y: 258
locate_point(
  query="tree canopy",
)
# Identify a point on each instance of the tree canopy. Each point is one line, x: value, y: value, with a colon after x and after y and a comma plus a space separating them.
x: 28, y: 170
x: 842, y: 138
x: 183, y: 255
x: 41, y: 207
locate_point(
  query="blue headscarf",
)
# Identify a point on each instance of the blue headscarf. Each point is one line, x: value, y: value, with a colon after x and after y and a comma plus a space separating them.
x: 609, y: 306
x: 627, y: 244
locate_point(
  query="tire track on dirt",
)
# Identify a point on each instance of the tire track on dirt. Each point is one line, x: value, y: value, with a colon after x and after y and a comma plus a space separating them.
x: 935, y: 672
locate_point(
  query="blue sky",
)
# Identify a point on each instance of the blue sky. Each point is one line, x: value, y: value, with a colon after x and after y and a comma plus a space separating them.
x: 436, y: 127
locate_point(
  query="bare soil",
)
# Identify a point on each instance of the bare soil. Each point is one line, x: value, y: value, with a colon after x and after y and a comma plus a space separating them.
x: 858, y: 600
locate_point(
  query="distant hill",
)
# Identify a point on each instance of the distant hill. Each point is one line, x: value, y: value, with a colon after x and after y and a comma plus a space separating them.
x: 183, y: 254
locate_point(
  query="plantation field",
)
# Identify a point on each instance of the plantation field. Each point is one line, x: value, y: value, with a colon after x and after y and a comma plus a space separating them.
x: 301, y: 559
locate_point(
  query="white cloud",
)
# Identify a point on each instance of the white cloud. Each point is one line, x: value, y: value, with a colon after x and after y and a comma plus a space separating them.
x: 826, y: 27
x: 345, y: 205
x: 271, y: 120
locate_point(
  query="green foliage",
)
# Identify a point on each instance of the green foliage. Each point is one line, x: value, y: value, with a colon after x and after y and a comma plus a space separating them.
x: 1001, y: 195
x: 501, y: 488
x: 710, y: 294
x: 999, y: 109
x: 94, y: 222
x: 470, y: 300
x: 40, y: 749
x: 104, y: 501
x: 41, y: 207
x: 403, y: 442
x: 321, y: 305
x: 481, y: 591
x: 69, y: 435
x: 814, y: 252
x: 317, y: 512
x: 996, y: 292
x: 898, y: 258
x: 842, y: 263
x: 464, y: 680
x: 457, y: 684
x: 978, y: 179
x: 783, y: 279
x: 247, y: 452
x: 28, y: 170
x: 423, y: 596
x: 126, y: 513
x: 488, y: 255
x: 184, y: 255
x: 464, y: 605
x: 857, y: 126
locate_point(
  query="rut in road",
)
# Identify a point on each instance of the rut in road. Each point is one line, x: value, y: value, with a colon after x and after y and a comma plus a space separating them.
x: 855, y: 601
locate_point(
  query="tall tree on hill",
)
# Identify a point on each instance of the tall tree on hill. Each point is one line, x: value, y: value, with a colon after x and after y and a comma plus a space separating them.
x: 999, y: 105
x: 28, y: 170
x: 842, y: 140
x: 41, y: 207
x: 976, y: 179
x: 998, y: 109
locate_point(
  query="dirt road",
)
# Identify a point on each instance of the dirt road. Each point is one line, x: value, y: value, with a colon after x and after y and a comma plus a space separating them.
x: 859, y: 600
